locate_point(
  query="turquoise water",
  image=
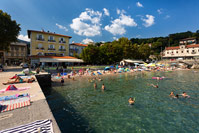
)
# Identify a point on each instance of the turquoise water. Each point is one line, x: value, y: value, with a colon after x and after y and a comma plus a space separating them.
x: 78, y: 107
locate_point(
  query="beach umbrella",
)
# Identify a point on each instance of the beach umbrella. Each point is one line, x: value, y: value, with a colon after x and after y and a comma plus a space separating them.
x: 107, y: 68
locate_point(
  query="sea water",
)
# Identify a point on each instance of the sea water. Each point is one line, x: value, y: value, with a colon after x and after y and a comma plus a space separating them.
x: 78, y: 107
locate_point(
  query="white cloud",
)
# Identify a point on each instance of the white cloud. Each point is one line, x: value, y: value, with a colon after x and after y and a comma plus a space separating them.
x: 88, y: 23
x: 167, y: 17
x: 119, y: 12
x: 118, y: 25
x: 22, y: 37
x: 61, y: 27
x: 139, y: 4
x: 149, y: 21
x: 87, y: 41
x: 159, y: 11
x: 106, y: 12
x: 115, y: 38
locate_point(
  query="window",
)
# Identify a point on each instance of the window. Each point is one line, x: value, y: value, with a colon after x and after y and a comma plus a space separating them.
x: 40, y: 46
x: 193, y: 50
x: 39, y: 53
x: 51, y: 38
x: 181, y: 51
x: 40, y: 37
x: 187, y: 51
x: 167, y: 52
x: 62, y: 40
x: 51, y: 46
x: 16, y: 48
x: 176, y: 52
x: 22, y: 48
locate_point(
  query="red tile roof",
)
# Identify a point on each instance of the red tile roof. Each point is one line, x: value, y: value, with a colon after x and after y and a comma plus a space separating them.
x: 79, y: 44
x: 187, y: 46
x: 193, y: 46
x: 54, y: 57
x: 29, y: 31
x: 172, y: 48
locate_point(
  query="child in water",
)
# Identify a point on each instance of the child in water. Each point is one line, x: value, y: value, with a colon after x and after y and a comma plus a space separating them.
x: 131, y: 101
x: 95, y: 85
x: 103, y: 87
x: 62, y: 81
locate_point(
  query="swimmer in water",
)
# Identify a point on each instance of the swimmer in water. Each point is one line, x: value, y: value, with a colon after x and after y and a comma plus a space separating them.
x: 172, y: 94
x: 156, y: 86
x: 103, y: 87
x: 184, y: 94
x: 131, y: 101
x: 95, y: 85
x: 62, y: 81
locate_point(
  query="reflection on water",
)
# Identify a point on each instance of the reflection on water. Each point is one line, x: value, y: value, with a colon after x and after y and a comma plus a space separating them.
x: 78, y: 107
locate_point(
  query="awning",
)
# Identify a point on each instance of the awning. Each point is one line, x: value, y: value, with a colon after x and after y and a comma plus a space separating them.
x: 60, y: 60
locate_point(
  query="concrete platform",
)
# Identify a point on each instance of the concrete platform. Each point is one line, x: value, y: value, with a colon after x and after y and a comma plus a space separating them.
x: 38, y: 109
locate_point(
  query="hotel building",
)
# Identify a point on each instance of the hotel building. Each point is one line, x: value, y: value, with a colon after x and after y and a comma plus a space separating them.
x: 182, y: 51
x: 76, y: 48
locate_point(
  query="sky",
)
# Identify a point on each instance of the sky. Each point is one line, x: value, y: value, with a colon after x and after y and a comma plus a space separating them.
x: 104, y: 20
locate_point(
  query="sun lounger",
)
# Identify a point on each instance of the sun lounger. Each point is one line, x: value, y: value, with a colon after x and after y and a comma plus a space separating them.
x: 40, y: 126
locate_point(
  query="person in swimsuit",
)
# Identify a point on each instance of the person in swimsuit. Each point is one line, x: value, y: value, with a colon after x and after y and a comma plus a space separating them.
x: 184, y: 94
x: 131, y: 101
x: 62, y: 81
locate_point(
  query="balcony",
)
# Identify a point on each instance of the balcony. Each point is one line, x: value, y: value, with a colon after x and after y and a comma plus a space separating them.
x: 62, y: 41
x: 193, y: 52
x: 62, y: 49
x: 40, y: 39
x: 51, y: 40
x: 51, y: 48
x: 40, y: 48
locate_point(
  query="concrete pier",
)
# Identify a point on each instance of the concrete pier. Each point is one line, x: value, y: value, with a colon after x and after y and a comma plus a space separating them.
x: 38, y: 110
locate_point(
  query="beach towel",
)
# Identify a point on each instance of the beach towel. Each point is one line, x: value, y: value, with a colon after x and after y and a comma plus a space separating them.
x: 13, y: 88
x: 4, y: 98
x: 14, y: 104
x: 39, y: 126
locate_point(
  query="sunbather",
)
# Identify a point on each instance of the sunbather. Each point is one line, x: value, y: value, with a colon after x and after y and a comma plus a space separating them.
x: 20, y: 80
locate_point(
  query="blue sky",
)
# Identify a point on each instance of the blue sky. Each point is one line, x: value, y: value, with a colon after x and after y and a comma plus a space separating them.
x: 104, y: 20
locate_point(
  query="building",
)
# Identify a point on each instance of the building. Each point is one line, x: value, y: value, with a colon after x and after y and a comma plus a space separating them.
x: 50, y: 48
x: 48, y: 44
x: 17, y: 53
x: 76, y: 48
x: 188, y: 41
x: 183, y: 52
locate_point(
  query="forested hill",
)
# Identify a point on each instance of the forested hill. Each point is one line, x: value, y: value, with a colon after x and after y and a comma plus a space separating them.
x: 161, y: 42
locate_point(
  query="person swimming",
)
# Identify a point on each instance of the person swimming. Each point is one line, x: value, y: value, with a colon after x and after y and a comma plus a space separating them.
x: 103, y: 87
x: 131, y: 101
x: 95, y: 85
x: 156, y: 86
x: 62, y: 81
x: 172, y: 94
x: 184, y: 94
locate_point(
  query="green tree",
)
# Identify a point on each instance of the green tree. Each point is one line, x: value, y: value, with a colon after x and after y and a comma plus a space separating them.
x: 90, y: 54
x: 9, y: 30
x: 144, y: 51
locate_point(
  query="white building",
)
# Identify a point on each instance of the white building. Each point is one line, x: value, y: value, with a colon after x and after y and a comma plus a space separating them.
x: 76, y: 48
x: 182, y: 51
